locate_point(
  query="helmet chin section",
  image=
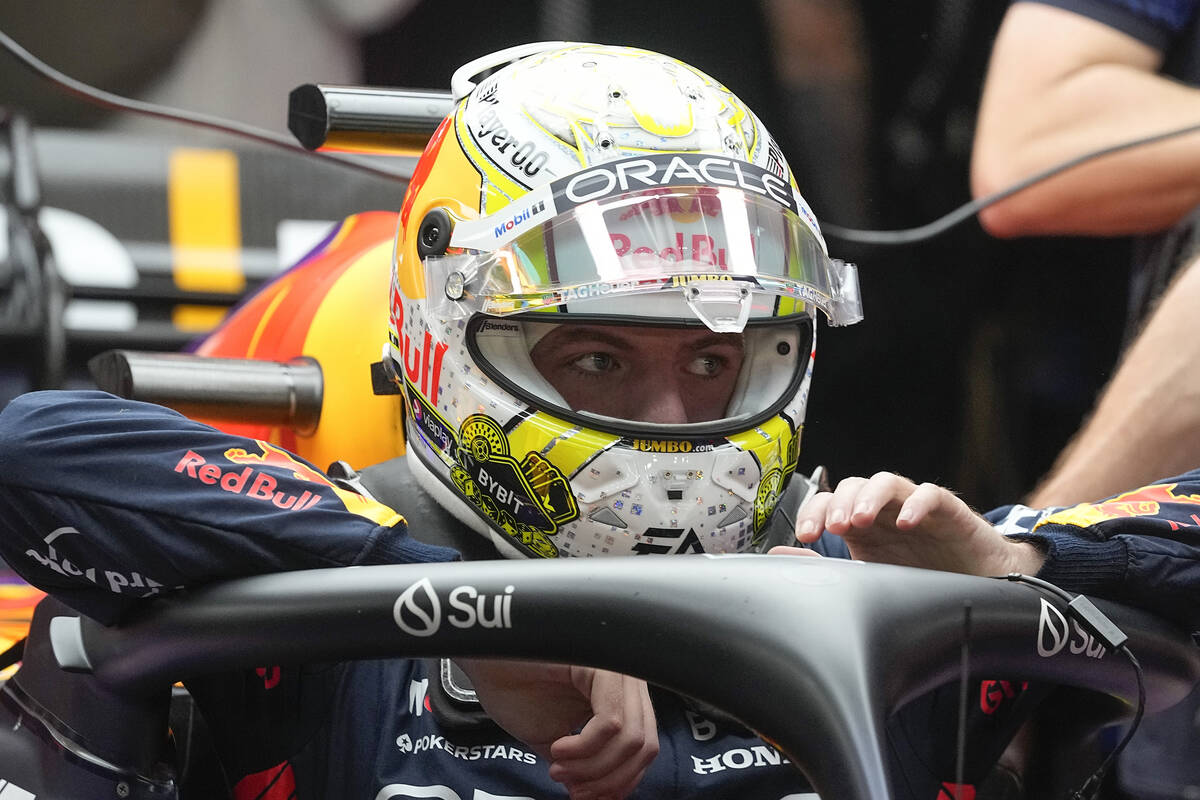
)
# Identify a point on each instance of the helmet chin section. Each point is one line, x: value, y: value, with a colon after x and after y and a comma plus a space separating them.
x: 642, y: 502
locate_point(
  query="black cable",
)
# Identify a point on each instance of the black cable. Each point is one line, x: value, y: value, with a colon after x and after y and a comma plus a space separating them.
x: 964, y: 212
x: 1092, y: 618
x: 104, y: 99
x: 1092, y: 785
x: 899, y: 237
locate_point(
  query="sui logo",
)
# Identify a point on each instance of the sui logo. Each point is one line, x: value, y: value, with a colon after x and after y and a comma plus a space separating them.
x: 417, y: 611
x: 1054, y: 634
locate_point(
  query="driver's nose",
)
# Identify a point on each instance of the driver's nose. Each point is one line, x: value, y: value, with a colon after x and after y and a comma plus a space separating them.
x: 659, y: 399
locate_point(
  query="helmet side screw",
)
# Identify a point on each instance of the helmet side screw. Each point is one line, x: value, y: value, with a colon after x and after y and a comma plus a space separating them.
x: 433, y: 235
x: 455, y: 284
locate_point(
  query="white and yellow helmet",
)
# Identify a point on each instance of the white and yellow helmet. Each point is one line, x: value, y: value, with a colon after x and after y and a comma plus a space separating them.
x: 603, y: 185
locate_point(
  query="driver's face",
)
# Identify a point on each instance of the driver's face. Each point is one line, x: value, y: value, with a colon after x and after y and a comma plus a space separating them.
x: 662, y: 375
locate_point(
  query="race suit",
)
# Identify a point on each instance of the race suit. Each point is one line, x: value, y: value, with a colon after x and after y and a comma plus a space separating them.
x: 104, y: 502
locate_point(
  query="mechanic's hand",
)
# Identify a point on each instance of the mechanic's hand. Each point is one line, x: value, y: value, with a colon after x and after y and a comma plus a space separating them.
x: 544, y: 704
x: 888, y: 519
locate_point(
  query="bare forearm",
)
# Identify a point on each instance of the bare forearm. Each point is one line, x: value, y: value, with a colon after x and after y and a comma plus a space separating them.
x: 1050, y: 98
x: 1147, y: 423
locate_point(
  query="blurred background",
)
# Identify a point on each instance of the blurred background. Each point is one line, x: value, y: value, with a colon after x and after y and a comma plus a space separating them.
x: 977, y: 358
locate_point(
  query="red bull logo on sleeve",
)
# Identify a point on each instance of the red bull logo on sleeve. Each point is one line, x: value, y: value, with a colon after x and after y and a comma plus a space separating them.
x: 1144, y: 502
x: 247, y: 481
x: 253, y: 482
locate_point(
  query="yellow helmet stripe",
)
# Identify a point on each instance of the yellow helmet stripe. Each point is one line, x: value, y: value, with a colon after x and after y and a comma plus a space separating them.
x: 770, y: 442
x: 569, y: 447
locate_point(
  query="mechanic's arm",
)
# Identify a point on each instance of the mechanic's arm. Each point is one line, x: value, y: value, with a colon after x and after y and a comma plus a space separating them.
x: 104, y: 500
x: 1060, y: 85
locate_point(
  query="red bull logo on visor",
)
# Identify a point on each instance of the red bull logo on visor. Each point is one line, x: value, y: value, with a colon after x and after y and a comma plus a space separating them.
x: 1147, y: 501
x: 251, y: 481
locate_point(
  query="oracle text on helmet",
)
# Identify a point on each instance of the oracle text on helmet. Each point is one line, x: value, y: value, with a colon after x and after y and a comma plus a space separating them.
x: 622, y: 176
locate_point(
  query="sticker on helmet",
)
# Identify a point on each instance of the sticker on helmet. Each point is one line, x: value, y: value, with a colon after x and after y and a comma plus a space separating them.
x: 675, y: 169
x: 764, y: 503
x: 527, y: 500
x: 429, y: 424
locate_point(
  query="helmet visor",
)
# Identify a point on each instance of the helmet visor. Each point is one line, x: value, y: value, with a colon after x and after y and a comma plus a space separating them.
x: 725, y: 254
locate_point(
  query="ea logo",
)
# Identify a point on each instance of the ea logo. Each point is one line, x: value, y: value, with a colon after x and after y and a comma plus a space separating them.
x: 417, y: 611
x: 1053, y: 631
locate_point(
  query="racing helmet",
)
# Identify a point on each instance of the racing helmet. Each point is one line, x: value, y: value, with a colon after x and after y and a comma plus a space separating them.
x: 583, y: 203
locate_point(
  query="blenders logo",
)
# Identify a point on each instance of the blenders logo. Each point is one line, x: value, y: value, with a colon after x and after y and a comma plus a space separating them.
x: 418, y: 611
x: 519, y: 218
x: 686, y: 169
x: 500, y: 328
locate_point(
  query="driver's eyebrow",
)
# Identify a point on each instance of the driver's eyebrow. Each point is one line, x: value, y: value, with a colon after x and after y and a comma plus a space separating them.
x: 613, y: 338
x: 568, y: 335
x: 720, y: 340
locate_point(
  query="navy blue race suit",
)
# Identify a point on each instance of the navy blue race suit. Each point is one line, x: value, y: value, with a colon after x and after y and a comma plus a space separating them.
x: 105, y: 501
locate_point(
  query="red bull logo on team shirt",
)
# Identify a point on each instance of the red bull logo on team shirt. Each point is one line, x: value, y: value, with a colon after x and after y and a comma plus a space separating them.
x: 251, y: 481
x: 247, y: 481
x: 1147, y: 501
x: 272, y: 456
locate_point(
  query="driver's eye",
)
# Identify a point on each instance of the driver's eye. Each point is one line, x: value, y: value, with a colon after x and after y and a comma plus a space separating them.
x: 595, y: 362
x: 706, y: 366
